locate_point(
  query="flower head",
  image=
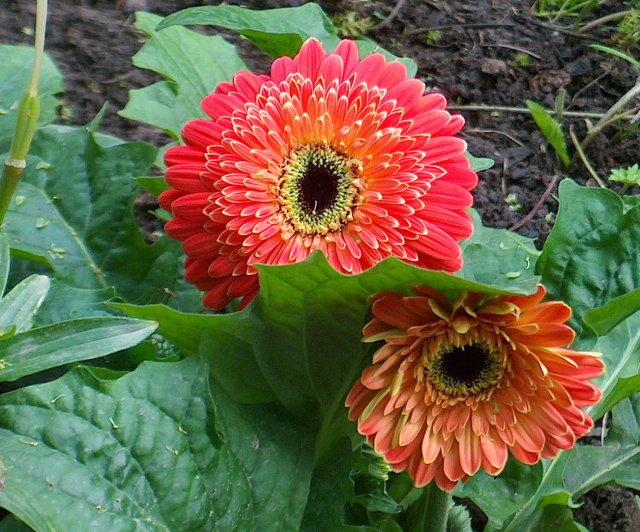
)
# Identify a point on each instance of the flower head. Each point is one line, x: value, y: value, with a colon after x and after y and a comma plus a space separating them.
x: 458, y: 386
x: 327, y: 152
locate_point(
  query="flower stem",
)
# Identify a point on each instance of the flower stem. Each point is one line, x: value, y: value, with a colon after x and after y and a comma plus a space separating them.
x: 28, y: 114
x: 435, y: 511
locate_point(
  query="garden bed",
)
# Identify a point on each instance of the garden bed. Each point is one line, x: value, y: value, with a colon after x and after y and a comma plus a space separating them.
x: 494, y: 53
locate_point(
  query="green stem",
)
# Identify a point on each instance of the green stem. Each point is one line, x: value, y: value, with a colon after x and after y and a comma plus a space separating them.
x: 27, y: 122
x: 435, y: 511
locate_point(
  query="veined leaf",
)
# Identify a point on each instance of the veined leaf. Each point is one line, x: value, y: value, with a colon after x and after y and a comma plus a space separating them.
x: 155, y: 450
x: 193, y: 64
x: 275, y: 31
x: 73, y: 212
x: 591, y: 255
x: 17, y: 62
x: 18, y: 307
x: 551, y: 129
x: 66, y: 342
x: 305, y: 320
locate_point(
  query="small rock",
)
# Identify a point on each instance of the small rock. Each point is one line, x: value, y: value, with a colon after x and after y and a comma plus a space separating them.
x: 493, y: 67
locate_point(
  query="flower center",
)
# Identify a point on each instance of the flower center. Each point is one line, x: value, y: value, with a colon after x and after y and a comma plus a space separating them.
x: 465, y: 370
x: 319, y: 189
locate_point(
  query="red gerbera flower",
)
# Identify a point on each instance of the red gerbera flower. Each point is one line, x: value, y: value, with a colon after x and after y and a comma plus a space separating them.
x: 328, y: 152
x: 457, y: 386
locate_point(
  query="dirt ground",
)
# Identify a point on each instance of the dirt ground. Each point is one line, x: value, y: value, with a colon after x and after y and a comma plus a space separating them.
x: 486, y: 52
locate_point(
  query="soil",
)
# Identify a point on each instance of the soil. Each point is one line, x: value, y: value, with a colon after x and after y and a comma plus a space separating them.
x: 490, y: 53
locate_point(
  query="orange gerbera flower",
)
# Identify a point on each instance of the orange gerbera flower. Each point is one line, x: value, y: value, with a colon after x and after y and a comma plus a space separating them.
x: 327, y: 152
x: 457, y: 386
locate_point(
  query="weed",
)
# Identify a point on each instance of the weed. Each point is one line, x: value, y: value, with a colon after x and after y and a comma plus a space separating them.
x: 629, y: 177
x: 350, y: 24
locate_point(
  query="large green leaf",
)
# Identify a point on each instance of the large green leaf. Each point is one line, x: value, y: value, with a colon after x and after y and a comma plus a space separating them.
x: 275, y: 31
x: 17, y: 62
x: 301, y: 337
x: 66, y: 342
x: 592, y: 253
x: 193, y: 64
x: 73, y: 211
x: 153, y: 450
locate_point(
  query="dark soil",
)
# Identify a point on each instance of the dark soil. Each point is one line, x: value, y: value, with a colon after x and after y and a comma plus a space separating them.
x: 491, y: 52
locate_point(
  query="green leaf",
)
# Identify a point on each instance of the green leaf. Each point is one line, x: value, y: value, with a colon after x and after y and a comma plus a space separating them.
x: 125, y: 454
x: 617, y: 53
x: 499, y: 497
x: 551, y: 129
x: 330, y: 490
x: 75, y: 215
x: 499, y: 257
x: 18, y: 307
x: 618, y: 460
x: 606, y: 317
x: 17, y: 62
x: 154, y: 184
x: 591, y: 254
x: 5, y: 261
x: 193, y: 64
x: 66, y: 342
x: 276, y: 32
x: 558, y: 518
x: 459, y: 519
x: 621, y: 355
x: 305, y: 320
x: 66, y: 302
x: 478, y: 164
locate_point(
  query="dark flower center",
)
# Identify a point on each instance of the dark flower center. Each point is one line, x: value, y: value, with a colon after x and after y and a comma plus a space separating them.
x: 319, y: 183
x: 465, y: 370
x: 318, y: 190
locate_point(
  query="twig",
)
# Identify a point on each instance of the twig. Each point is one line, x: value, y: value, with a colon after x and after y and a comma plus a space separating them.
x: 610, y: 114
x: 511, y: 47
x: 583, y: 158
x: 549, y: 27
x: 477, y: 26
x: 603, y: 20
x: 543, y: 198
x: 389, y: 18
x: 521, y: 110
x: 496, y: 132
